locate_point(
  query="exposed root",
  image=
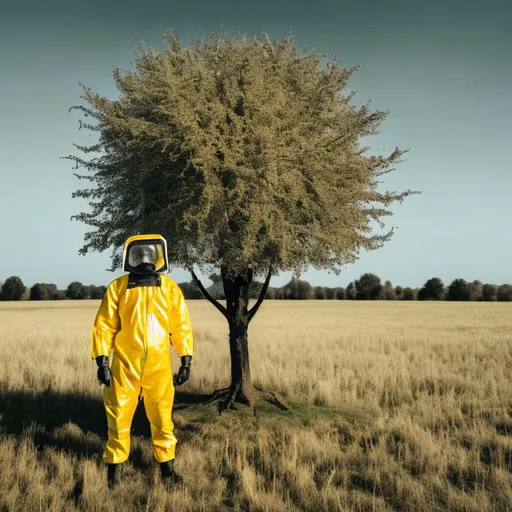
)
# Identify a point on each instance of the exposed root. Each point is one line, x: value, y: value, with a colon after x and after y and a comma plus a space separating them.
x: 272, y: 398
x: 228, y: 403
x: 217, y: 395
x: 227, y: 398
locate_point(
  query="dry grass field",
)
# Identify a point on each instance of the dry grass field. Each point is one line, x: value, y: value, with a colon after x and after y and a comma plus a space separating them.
x: 396, y: 406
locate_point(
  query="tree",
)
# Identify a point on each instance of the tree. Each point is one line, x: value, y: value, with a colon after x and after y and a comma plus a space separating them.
x: 319, y: 293
x: 60, y: 295
x: 215, y: 290
x: 489, y: 292
x: 340, y: 294
x: 255, y: 289
x: 76, y: 291
x: 432, y: 290
x: 271, y: 294
x: 13, y: 288
x: 504, y: 293
x: 298, y: 289
x: 256, y: 151
x: 408, y: 294
x: 387, y: 292
x: 398, y: 292
x: 279, y: 293
x: 290, y: 289
x: 476, y: 291
x: 368, y: 287
x: 45, y: 291
x: 351, y: 292
x: 304, y: 290
x: 329, y: 293
x: 95, y: 292
x: 190, y: 290
x: 459, y: 289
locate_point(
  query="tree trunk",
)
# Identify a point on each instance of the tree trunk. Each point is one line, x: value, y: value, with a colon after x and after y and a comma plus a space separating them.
x: 236, y: 291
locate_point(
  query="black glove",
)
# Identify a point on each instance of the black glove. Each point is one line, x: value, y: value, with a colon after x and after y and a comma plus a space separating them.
x: 184, y: 371
x: 103, y: 370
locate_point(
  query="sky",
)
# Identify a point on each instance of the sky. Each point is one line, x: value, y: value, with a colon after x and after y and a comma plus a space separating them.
x: 441, y: 68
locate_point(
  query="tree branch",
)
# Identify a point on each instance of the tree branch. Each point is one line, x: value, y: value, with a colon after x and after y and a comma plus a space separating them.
x: 261, y: 298
x: 219, y: 306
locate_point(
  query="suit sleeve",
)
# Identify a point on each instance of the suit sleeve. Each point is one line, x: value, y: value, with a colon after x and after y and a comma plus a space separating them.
x: 180, y: 328
x: 107, y: 323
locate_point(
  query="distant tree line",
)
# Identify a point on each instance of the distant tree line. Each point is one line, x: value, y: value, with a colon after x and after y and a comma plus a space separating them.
x: 14, y: 289
x: 367, y: 287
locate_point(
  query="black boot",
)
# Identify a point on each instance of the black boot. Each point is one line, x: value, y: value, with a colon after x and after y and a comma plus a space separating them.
x: 113, y: 475
x: 169, y: 476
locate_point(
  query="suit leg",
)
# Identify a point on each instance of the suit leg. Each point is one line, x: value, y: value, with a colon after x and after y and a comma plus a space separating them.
x: 120, y: 401
x: 159, y: 413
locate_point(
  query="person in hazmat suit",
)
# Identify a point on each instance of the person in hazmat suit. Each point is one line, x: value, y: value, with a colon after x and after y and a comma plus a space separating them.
x: 141, y: 315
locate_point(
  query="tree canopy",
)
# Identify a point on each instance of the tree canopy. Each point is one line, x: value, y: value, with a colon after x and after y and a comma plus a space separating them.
x: 44, y: 291
x: 76, y: 290
x: 489, y: 292
x: 459, y: 289
x: 13, y: 288
x: 242, y: 152
x: 433, y: 289
x: 368, y: 286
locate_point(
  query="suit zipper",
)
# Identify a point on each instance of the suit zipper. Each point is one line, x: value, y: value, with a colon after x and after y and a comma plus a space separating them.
x: 145, y: 341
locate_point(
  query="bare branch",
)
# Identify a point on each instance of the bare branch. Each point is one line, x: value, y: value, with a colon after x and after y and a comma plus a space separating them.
x: 219, y: 306
x: 261, y: 298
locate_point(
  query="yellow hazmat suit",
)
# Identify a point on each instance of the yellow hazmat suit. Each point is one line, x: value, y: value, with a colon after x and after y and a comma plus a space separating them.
x: 138, y: 325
